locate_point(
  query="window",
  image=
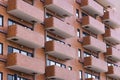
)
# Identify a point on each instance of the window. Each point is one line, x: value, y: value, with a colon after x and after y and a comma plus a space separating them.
x: 89, y: 75
x: 48, y: 38
x: 84, y: 14
x: 58, y: 64
x: 80, y: 75
x: 50, y: 63
x: 1, y: 76
x: 15, y: 77
x: 86, y: 54
x: 30, y: 54
x: 48, y: 15
x: 1, y: 48
x: 79, y: 53
x: 63, y: 66
x: 11, y: 22
x: 107, y: 45
x: 77, y: 13
x: 1, y: 20
x: 15, y: 50
x: 23, y: 52
x: 69, y: 68
x: 78, y: 33
x: 85, y: 34
x: 10, y: 77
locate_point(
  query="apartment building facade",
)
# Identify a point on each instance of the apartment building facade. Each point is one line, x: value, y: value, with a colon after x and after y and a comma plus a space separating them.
x: 59, y: 40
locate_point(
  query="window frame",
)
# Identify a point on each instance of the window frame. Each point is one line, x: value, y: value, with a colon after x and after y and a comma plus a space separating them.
x: 32, y: 54
x: 1, y: 53
x: 80, y: 74
x: 79, y: 53
x: 15, y: 22
x: 2, y: 20
x: 77, y: 14
x: 55, y: 63
x: 78, y: 33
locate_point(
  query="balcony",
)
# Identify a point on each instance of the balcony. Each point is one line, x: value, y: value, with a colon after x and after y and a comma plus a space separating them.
x: 94, y: 64
x: 59, y: 27
x: 113, y: 54
x: 94, y: 44
x: 59, y: 73
x: 90, y: 79
x: 112, y: 36
x: 59, y: 50
x: 93, y: 25
x: 107, y: 3
x: 26, y: 37
x: 60, y: 7
x: 113, y: 72
x: 112, y: 18
x: 24, y: 11
x: 92, y: 7
x: 22, y: 63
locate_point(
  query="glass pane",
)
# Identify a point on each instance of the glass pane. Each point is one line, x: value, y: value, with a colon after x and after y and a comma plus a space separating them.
x: 77, y: 13
x: 80, y: 74
x: 63, y: 66
x: 30, y: 54
x: 0, y: 76
x: 69, y: 68
x: 78, y: 33
x: 9, y: 77
x: 16, y: 50
x: 18, y: 78
x: 86, y: 75
x: 79, y: 53
x: 48, y: 62
x: 89, y: 75
x: 52, y: 63
x: 10, y: 50
x: 1, y: 21
x: 24, y: 53
x: 10, y: 23
x: 48, y: 39
x: 93, y: 76
x: 57, y: 64
x: 0, y: 48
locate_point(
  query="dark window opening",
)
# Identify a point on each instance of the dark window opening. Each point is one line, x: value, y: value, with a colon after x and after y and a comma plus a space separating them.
x: 15, y: 50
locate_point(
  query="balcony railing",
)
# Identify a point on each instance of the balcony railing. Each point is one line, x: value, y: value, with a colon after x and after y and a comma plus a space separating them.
x: 59, y: 50
x: 22, y: 63
x: 60, y: 7
x: 59, y: 73
x: 112, y: 18
x: 112, y: 36
x: 26, y: 37
x: 94, y: 64
x: 113, y: 72
x: 24, y: 11
x: 107, y: 3
x: 113, y: 54
x: 92, y: 7
x: 94, y: 44
x: 93, y: 25
x: 59, y: 27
